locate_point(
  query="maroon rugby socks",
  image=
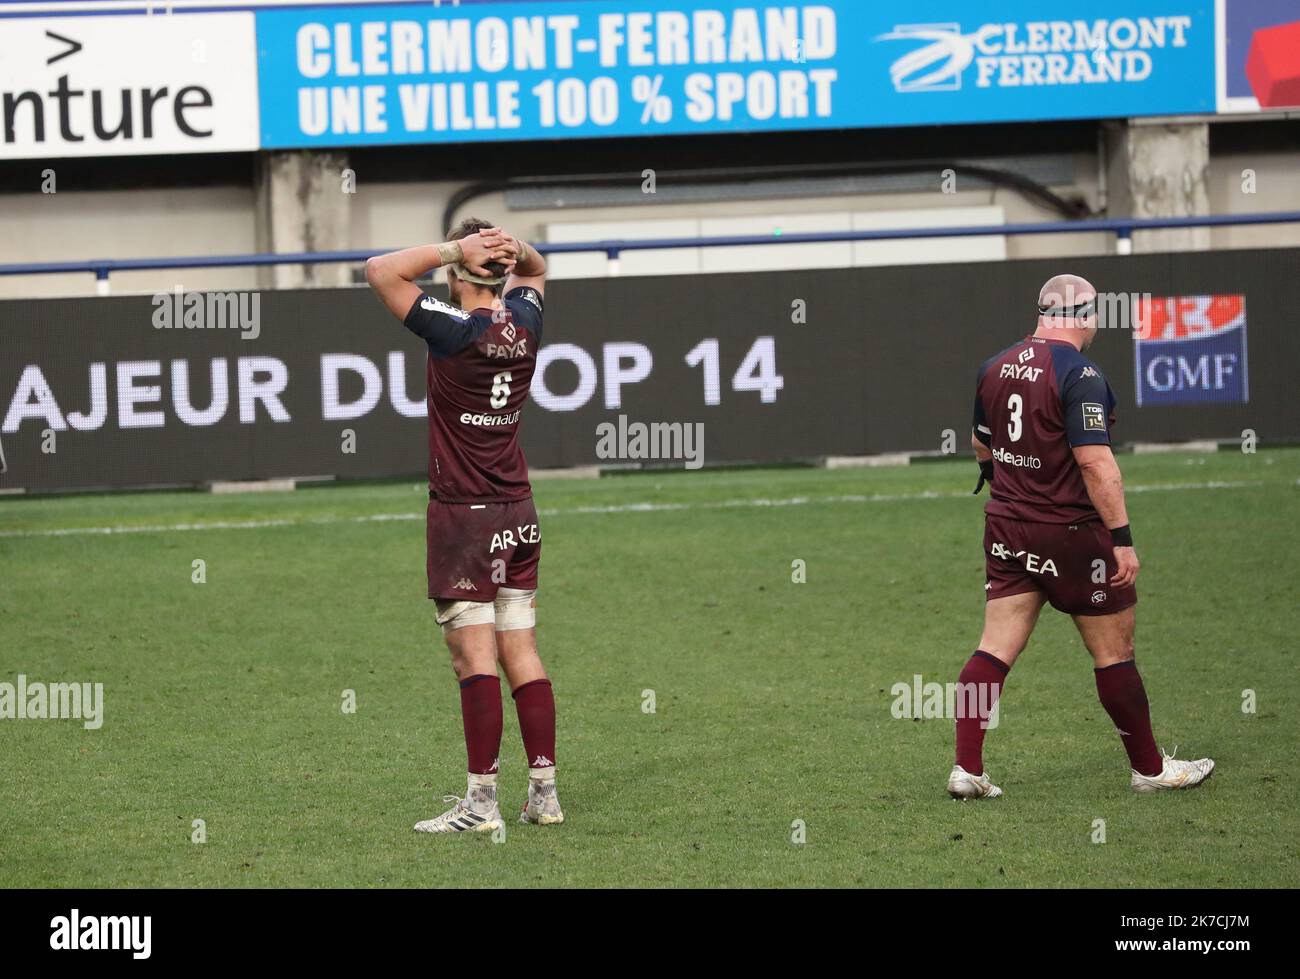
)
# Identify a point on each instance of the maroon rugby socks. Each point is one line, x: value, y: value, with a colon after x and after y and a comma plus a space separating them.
x: 535, y: 705
x: 986, y: 674
x: 1125, y: 698
x: 480, y: 709
x: 1119, y: 687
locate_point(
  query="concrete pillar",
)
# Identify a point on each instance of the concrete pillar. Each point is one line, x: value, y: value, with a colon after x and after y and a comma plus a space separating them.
x: 304, y: 205
x: 1160, y: 170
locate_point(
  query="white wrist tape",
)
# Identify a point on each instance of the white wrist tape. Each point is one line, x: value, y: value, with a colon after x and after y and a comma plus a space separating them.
x: 450, y: 253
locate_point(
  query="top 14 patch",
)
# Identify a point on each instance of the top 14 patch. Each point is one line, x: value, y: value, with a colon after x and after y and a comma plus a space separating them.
x: 1094, y: 417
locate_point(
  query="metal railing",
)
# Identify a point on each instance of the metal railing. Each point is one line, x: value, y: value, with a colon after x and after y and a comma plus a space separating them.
x: 1122, y: 228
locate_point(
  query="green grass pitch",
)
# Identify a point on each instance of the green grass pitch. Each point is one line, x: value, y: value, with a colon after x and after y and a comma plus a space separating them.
x: 223, y: 700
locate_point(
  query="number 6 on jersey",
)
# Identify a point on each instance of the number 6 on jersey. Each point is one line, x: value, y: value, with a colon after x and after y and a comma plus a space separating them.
x: 500, y: 390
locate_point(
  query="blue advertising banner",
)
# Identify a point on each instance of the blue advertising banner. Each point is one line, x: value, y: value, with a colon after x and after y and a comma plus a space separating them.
x: 1191, y: 350
x: 424, y: 73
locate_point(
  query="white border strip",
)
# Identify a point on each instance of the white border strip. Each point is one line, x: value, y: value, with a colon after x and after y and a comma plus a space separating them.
x: 612, y: 508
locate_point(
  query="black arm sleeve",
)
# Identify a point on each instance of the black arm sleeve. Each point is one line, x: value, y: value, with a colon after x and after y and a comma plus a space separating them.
x: 979, y: 423
x: 443, y: 327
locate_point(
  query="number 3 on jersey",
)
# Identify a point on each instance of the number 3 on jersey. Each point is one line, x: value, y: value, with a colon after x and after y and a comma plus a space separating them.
x: 1015, y: 405
x: 500, y: 390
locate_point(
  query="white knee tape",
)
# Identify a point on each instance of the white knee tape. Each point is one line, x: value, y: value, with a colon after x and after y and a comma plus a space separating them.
x: 516, y: 608
x: 457, y: 615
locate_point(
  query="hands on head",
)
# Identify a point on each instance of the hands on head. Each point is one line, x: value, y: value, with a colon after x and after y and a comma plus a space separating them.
x: 491, y: 245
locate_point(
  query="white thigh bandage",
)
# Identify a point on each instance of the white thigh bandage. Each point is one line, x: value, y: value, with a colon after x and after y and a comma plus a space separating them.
x: 516, y: 608
x: 457, y: 615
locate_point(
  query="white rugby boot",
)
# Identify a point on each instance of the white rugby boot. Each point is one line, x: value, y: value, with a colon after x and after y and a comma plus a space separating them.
x: 1176, y: 774
x: 543, y: 805
x: 963, y: 785
x: 476, y: 813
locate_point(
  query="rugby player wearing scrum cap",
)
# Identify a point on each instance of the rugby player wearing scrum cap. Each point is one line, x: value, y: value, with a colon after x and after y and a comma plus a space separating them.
x: 482, y: 530
x: 1056, y: 530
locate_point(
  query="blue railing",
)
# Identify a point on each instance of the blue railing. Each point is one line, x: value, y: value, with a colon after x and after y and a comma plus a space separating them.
x: 1122, y: 228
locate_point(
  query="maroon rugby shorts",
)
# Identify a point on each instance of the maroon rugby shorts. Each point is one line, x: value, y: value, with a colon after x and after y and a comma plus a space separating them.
x: 1070, y: 564
x: 474, y: 549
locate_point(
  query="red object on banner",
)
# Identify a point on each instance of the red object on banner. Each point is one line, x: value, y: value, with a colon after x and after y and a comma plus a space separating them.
x: 1188, y: 317
x: 1273, y: 66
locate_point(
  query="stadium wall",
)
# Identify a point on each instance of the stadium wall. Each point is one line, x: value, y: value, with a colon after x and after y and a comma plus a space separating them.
x: 787, y: 366
x: 389, y: 210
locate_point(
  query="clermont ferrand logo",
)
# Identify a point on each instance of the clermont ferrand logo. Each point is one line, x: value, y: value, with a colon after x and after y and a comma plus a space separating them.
x: 1031, y: 54
x: 933, y: 67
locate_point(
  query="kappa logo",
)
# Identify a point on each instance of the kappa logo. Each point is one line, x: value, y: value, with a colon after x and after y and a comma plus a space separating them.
x: 465, y: 585
x: 1088, y: 372
x: 541, y: 761
x: 1026, y: 355
x: 1098, y: 598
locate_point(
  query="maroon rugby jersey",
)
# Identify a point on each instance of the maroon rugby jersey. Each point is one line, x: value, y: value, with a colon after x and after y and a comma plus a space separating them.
x: 480, y: 368
x: 1034, y: 402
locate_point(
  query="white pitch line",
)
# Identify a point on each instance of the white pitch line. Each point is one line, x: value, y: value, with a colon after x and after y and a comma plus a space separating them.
x: 212, y: 525
x: 578, y: 511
